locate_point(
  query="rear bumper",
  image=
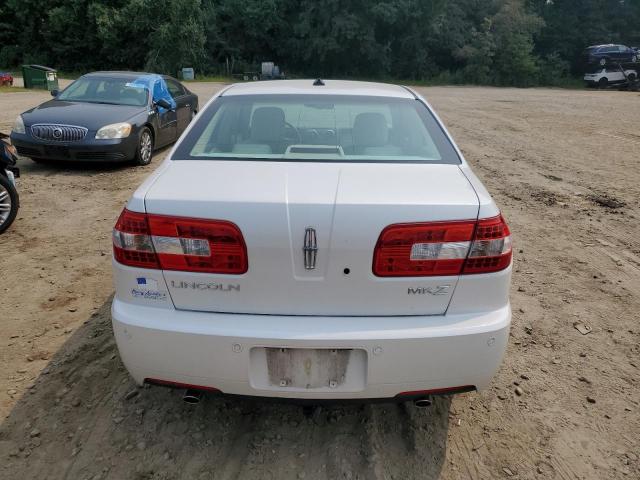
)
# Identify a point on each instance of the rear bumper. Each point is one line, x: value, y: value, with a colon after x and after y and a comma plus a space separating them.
x: 396, y: 355
x: 87, y: 150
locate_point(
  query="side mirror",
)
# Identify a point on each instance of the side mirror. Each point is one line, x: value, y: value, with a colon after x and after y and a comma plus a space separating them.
x: 163, y: 103
x: 55, y: 92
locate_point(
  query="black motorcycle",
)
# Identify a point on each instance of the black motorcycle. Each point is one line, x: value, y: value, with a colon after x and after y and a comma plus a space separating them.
x: 9, y: 201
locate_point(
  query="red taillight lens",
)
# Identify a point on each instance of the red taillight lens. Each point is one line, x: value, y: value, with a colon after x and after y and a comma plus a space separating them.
x: 443, y: 248
x: 422, y: 249
x: 195, y: 245
x: 491, y: 248
x: 178, y: 243
x: 132, y: 241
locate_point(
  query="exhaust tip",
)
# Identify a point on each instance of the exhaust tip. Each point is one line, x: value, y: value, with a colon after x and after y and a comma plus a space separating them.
x: 192, y: 397
x: 422, y: 402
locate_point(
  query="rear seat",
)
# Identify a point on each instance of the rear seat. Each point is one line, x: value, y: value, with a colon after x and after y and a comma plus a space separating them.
x: 371, y: 136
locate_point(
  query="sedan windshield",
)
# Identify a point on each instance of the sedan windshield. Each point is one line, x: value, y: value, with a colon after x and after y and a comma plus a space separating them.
x: 113, y: 91
x: 317, y: 128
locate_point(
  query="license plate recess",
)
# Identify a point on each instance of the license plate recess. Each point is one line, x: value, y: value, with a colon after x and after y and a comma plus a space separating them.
x: 309, y: 368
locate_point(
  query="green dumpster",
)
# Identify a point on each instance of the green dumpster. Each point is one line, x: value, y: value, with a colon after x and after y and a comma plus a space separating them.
x: 37, y: 76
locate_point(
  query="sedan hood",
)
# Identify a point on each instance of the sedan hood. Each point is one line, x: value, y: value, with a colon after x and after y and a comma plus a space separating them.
x: 88, y: 115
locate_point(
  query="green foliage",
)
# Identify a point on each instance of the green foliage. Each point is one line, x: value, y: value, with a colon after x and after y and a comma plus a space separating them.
x: 498, y: 42
x: 177, y: 39
x: 512, y: 28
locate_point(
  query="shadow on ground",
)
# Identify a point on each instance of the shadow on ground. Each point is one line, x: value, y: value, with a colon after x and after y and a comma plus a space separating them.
x: 85, y: 419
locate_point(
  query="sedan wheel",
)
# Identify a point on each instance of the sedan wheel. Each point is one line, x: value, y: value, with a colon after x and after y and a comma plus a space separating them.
x: 8, y: 203
x: 145, y: 148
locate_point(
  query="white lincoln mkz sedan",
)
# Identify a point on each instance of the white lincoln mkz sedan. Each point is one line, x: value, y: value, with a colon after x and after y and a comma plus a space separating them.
x: 313, y: 240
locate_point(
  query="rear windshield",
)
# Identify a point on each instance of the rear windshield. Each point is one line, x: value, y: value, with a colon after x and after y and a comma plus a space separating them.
x: 113, y: 91
x: 317, y: 128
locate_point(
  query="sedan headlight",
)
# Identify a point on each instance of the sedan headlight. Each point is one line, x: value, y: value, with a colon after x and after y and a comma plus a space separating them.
x: 18, y: 126
x: 115, y: 130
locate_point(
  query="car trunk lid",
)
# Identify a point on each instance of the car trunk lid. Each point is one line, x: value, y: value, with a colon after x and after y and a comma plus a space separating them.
x: 339, y: 208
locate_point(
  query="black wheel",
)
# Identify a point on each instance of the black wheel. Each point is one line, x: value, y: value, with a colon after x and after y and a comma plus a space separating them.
x: 632, y: 77
x: 603, y: 82
x: 144, y: 151
x: 9, y: 203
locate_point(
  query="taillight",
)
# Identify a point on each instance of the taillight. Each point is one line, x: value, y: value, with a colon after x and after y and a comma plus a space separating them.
x: 422, y: 249
x: 491, y: 247
x: 443, y: 248
x: 195, y: 245
x: 179, y: 243
x: 132, y: 241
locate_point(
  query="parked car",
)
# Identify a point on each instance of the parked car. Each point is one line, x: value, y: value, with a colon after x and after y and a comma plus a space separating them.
x: 314, y: 240
x: 9, y: 200
x: 6, y: 79
x: 107, y: 116
x: 605, y: 54
x: 605, y: 77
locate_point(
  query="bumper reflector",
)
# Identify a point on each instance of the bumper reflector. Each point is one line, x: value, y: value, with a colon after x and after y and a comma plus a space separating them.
x: 186, y: 386
x: 437, y: 391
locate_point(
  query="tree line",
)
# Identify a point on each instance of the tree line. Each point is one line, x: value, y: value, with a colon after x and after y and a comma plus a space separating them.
x: 495, y: 42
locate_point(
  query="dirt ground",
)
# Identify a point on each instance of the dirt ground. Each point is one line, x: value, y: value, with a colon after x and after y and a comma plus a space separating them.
x: 563, y: 166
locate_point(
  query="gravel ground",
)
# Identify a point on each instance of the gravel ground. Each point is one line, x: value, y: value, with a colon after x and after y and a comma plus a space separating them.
x: 564, y: 405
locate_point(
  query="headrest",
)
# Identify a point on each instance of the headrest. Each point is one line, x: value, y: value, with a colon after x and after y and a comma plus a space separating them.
x: 267, y: 124
x: 370, y: 130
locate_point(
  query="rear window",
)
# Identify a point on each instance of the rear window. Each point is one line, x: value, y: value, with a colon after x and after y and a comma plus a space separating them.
x: 317, y: 128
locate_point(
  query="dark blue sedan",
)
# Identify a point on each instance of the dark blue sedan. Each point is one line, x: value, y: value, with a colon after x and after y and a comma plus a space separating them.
x: 106, y: 116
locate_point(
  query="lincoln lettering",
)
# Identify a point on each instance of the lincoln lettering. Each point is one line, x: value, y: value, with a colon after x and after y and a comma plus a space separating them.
x: 219, y: 287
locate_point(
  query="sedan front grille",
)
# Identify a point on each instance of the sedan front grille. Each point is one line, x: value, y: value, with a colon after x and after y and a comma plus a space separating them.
x: 58, y: 133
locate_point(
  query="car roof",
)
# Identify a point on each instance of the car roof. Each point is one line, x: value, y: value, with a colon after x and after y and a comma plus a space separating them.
x: 116, y: 73
x: 329, y: 87
x: 121, y: 74
x: 606, y: 45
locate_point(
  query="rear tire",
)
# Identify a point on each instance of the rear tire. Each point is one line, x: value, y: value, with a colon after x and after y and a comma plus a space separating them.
x: 144, y: 151
x: 603, y: 82
x: 9, y: 203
